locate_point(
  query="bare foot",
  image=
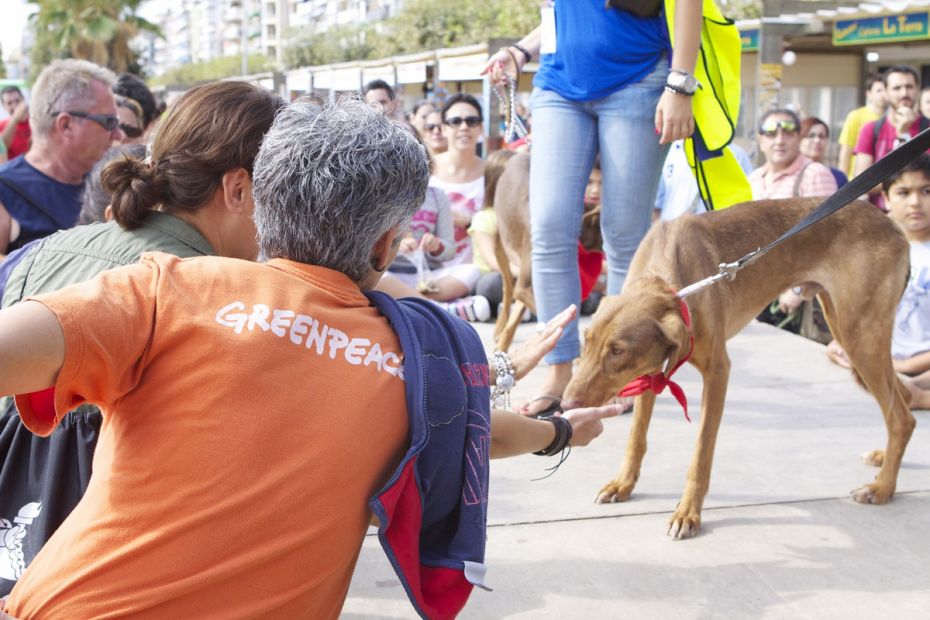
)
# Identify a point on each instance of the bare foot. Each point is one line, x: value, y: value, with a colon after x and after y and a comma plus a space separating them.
x: 837, y: 355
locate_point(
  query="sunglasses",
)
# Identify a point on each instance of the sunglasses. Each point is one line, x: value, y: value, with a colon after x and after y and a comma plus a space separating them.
x: 109, y: 122
x: 771, y: 127
x: 430, y: 127
x: 471, y: 121
x: 130, y: 130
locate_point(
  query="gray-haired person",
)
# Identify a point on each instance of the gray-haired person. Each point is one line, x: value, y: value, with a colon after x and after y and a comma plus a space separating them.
x: 252, y: 411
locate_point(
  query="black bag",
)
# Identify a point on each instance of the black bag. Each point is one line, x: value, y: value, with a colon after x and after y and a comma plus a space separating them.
x: 41, y: 481
x: 641, y: 8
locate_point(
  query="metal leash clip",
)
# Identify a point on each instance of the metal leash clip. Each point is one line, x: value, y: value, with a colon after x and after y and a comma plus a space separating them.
x: 725, y: 271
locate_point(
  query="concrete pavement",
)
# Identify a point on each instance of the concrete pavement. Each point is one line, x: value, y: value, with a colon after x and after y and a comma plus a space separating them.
x: 780, y: 536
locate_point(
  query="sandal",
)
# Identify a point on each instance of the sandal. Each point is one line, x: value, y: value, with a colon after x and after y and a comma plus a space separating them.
x: 555, y: 406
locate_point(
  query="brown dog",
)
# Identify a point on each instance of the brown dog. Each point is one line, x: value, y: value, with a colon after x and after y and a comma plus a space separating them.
x: 512, y: 206
x: 858, y: 256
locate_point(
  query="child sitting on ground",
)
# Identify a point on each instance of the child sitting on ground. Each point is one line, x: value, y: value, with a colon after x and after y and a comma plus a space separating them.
x: 907, y: 197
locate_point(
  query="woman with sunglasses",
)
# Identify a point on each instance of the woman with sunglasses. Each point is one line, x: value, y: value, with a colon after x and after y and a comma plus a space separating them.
x: 193, y: 197
x: 815, y: 136
x: 130, y: 121
x: 433, y: 135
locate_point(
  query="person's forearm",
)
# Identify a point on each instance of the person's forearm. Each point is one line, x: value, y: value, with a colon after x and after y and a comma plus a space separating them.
x: 688, y: 17
x: 513, y: 434
x: 532, y: 42
x: 32, y: 348
x: 913, y: 365
x: 9, y: 133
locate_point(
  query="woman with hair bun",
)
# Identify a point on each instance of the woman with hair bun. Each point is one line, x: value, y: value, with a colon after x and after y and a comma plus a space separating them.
x: 191, y: 197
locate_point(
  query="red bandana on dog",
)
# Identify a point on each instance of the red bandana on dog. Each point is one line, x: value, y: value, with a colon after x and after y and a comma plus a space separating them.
x: 658, y: 382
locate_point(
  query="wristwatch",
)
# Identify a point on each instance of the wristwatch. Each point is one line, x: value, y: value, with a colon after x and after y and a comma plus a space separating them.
x: 681, y: 82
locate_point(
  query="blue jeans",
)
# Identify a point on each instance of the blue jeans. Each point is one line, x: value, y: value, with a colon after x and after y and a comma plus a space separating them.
x: 567, y: 136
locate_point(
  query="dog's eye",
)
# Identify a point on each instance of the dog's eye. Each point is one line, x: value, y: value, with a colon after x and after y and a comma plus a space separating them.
x: 616, y: 349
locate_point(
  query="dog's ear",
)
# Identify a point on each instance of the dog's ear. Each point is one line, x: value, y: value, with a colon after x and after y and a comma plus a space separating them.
x: 678, y: 337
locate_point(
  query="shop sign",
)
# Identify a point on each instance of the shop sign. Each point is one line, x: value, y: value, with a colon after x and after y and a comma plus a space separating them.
x: 749, y: 39
x: 886, y: 29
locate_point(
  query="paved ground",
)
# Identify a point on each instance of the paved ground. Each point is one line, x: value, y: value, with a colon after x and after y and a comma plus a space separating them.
x: 780, y: 536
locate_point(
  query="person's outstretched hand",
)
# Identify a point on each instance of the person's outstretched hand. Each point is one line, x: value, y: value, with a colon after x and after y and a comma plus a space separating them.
x: 586, y: 422
x: 501, y: 64
x: 527, y: 356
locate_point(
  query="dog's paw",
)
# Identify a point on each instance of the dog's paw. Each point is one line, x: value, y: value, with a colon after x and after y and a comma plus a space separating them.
x: 614, y: 492
x: 682, y: 526
x: 874, y: 457
x: 871, y: 494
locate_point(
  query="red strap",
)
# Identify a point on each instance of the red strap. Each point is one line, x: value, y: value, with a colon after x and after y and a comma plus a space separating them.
x: 658, y: 382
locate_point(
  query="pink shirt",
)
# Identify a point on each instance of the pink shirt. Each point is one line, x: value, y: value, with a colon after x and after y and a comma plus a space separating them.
x: 816, y: 180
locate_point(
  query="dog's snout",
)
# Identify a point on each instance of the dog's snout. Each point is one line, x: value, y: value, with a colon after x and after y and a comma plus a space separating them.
x: 573, y: 403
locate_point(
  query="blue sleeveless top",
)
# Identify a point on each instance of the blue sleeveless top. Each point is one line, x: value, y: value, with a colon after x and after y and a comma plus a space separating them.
x: 599, y: 51
x: 54, y: 205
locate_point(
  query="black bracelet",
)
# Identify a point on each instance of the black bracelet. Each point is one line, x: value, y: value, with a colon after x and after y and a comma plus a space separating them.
x: 563, y: 436
x: 526, y: 52
x: 677, y: 90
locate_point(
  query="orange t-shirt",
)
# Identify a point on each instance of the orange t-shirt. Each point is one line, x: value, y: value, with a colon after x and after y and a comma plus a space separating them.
x: 250, y: 411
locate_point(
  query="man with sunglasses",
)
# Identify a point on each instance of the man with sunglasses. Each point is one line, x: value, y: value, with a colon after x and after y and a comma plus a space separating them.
x: 786, y: 172
x: 73, y: 120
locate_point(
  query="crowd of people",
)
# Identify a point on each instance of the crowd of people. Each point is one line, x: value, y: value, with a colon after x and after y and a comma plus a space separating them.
x: 150, y: 389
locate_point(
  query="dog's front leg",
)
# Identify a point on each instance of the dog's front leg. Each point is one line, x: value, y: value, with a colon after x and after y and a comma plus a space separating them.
x: 620, y: 488
x: 686, y: 521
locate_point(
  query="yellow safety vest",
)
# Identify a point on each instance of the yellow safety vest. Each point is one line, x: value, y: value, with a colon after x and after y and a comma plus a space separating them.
x: 720, y: 178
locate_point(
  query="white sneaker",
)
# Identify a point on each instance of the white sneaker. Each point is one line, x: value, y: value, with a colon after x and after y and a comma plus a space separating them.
x: 474, y: 308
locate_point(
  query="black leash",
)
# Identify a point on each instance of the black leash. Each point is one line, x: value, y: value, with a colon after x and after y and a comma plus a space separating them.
x: 872, y: 176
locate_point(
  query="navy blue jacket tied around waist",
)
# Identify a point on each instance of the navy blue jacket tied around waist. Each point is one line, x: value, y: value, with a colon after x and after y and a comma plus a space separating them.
x: 433, y: 511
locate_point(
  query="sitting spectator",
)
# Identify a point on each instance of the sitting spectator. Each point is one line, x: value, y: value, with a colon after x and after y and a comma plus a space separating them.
x: 786, y: 172
x: 131, y: 121
x: 873, y: 109
x: 898, y: 125
x: 459, y: 171
x: 73, y: 119
x: 815, y: 136
x: 907, y: 196
x: 129, y: 85
x: 483, y: 231
x: 193, y: 199
x: 15, y: 132
x: 418, y: 115
x: 433, y: 134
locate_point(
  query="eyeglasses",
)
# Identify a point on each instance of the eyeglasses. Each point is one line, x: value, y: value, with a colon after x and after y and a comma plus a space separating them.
x: 109, y: 121
x: 471, y: 121
x: 771, y: 127
x: 430, y: 127
x: 130, y: 130
x: 816, y: 136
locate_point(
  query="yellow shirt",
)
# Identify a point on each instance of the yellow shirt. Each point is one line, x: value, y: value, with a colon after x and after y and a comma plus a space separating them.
x: 849, y: 135
x: 484, y: 221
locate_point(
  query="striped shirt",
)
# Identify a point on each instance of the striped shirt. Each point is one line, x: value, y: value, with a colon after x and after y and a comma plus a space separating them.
x: 816, y: 180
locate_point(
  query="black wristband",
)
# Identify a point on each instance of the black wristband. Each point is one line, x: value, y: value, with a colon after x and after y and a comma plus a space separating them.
x: 563, y: 436
x: 677, y: 90
x: 523, y: 50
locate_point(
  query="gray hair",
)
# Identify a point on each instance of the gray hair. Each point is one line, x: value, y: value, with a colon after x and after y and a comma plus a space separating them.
x: 95, y: 199
x: 63, y: 85
x: 331, y: 179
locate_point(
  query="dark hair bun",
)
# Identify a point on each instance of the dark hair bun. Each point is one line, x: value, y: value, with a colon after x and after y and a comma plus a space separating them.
x: 135, y: 188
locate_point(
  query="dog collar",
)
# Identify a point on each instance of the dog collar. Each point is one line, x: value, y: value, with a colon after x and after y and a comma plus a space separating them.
x: 659, y: 381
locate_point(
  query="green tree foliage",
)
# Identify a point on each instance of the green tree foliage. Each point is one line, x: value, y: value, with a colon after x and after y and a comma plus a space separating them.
x: 2, y: 64
x: 95, y: 30
x: 210, y: 70
x: 741, y: 9
x: 421, y: 25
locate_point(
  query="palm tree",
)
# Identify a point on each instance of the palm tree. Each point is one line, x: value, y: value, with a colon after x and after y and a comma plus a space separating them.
x: 95, y: 30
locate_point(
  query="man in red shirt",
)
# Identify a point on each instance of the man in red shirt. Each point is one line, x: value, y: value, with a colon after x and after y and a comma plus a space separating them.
x: 900, y: 124
x: 15, y: 131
